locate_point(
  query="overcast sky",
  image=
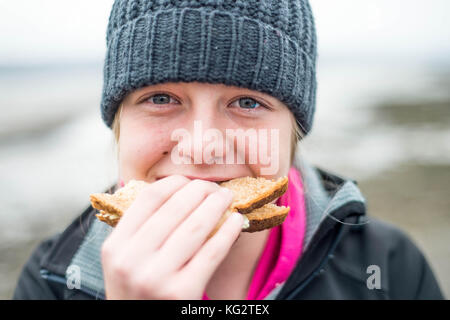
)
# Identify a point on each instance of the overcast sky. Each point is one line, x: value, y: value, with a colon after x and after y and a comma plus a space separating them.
x: 35, y: 31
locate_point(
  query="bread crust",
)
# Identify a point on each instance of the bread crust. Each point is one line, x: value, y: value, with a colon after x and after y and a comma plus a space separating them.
x: 273, y: 219
x: 106, y: 202
x: 278, y: 190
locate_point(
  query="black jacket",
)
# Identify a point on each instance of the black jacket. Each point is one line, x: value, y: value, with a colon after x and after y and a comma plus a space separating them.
x: 347, y: 254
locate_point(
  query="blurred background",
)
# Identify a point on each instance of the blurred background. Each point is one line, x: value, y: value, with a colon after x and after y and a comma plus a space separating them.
x: 383, y: 117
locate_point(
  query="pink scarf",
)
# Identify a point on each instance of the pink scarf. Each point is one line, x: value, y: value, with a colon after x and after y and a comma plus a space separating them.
x: 284, y: 244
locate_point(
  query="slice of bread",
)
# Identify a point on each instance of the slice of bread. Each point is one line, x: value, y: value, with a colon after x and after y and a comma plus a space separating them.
x: 110, y: 218
x: 120, y: 201
x: 268, y: 216
x: 251, y: 193
x: 252, y: 197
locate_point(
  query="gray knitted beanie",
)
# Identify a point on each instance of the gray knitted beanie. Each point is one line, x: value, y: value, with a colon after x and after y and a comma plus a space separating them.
x: 267, y: 46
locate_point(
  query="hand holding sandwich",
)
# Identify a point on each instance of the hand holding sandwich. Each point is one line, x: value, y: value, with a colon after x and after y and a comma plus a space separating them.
x: 175, y: 232
x: 158, y: 250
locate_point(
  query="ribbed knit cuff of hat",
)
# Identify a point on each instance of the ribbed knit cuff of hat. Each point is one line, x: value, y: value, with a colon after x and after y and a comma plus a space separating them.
x: 250, y: 45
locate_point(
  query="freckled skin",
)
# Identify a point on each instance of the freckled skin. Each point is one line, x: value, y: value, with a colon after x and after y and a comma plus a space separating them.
x: 145, y: 137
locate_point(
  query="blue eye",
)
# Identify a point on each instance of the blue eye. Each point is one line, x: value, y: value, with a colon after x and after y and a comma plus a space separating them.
x: 160, y: 98
x: 248, y: 103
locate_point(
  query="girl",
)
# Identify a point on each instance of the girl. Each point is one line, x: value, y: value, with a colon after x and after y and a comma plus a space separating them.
x: 227, y: 66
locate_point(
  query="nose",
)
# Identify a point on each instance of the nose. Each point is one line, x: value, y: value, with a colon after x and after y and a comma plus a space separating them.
x: 206, y: 141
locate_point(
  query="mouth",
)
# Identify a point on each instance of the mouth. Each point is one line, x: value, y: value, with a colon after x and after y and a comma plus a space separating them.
x: 217, y: 180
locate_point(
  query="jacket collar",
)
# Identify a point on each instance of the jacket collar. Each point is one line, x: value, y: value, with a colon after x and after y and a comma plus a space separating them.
x: 325, y: 193
x: 330, y: 199
x: 334, y: 206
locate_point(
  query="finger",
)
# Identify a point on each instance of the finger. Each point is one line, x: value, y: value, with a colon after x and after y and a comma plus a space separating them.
x: 146, y: 203
x: 169, y: 216
x: 192, y: 233
x: 213, y: 252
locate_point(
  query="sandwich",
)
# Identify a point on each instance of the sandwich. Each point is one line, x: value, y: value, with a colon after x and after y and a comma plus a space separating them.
x: 252, y: 197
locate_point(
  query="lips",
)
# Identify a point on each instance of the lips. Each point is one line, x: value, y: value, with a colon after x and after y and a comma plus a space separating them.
x: 212, y: 179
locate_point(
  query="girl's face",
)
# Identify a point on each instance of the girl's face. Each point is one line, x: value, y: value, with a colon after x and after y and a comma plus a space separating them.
x: 207, y: 118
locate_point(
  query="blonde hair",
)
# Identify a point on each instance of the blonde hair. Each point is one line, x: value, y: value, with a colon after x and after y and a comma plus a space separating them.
x: 297, y: 134
x: 116, y: 124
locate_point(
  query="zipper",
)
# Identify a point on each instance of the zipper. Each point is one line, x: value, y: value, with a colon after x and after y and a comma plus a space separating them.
x: 47, y: 275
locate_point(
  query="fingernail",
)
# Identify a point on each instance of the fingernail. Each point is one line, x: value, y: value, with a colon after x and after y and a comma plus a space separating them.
x: 242, y: 219
x: 246, y: 223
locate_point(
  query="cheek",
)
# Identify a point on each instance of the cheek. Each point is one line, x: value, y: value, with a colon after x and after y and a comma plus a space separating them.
x: 284, y: 151
x: 277, y: 146
x: 284, y: 147
x: 285, y: 142
x: 141, y: 148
